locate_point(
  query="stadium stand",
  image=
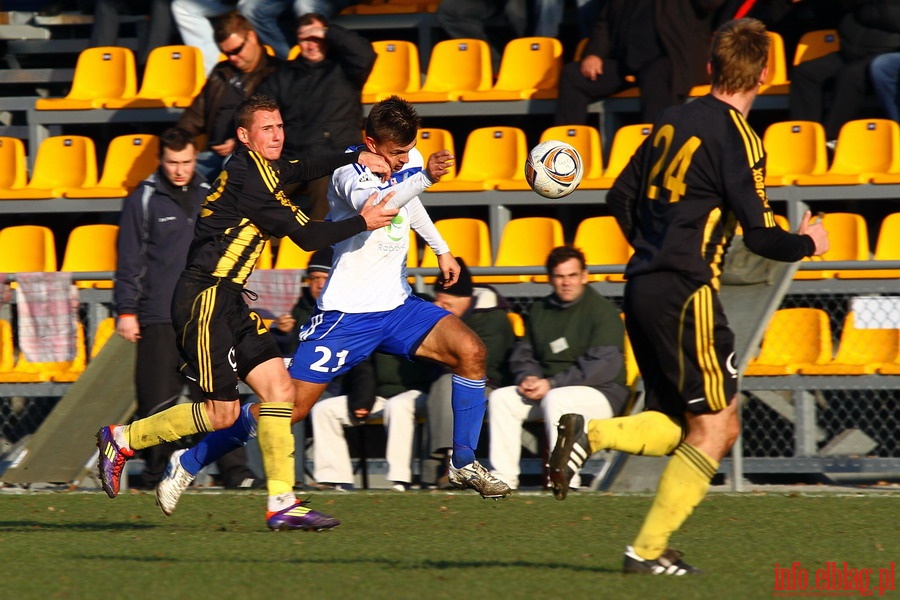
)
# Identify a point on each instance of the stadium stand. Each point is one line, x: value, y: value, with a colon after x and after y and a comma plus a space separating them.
x: 849, y: 240
x: 172, y: 77
x: 525, y: 242
x: 603, y: 243
x: 100, y: 74
x: 794, y: 148
x: 492, y: 157
x: 396, y: 70
x: 91, y: 248
x: 861, y: 351
x: 290, y: 255
x: 63, y: 162
x: 529, y: 68
x: 794, y: 337
x: 456, y: 66
x: 129, y: 160
x: 866, y: 149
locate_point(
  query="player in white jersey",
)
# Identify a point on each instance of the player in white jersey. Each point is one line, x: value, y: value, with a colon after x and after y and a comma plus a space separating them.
x: 368, y: 306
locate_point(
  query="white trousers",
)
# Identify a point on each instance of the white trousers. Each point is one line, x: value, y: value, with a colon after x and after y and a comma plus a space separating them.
x: 331, y: 456
x: 192, y: 18
x: 508, y: 410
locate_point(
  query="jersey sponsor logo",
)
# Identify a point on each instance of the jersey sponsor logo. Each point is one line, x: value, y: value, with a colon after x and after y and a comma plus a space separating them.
x: 398, y: 229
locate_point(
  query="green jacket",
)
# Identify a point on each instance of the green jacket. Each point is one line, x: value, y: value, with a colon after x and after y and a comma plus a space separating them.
x: 579, y: 343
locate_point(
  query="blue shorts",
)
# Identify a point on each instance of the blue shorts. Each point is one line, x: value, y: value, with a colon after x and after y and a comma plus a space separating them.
x: 331, y: 342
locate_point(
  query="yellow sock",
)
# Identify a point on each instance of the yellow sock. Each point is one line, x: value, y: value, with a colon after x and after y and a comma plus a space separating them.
x: 169, y: 425
x: 650, y: 433
x: 276, y: 443
x: 682, y: 486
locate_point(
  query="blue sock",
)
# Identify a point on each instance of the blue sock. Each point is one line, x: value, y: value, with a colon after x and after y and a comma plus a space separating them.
x: 468, y: 402
x: 221, y: 442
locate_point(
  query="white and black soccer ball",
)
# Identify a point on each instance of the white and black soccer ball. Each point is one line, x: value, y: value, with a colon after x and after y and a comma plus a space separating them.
x: 554, y: 169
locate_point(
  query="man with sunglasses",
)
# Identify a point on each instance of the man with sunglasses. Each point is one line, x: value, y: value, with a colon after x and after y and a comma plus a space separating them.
x: 211, y: 113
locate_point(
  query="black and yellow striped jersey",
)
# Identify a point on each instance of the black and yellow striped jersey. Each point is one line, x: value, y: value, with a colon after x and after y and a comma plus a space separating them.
x: 699, y: 173
x: 247, y: 205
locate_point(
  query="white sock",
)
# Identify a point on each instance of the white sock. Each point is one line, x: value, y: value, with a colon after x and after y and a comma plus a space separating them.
x: 280, y: 502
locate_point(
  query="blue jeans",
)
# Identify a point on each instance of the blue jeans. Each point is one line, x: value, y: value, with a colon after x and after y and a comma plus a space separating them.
x: 885, y: 72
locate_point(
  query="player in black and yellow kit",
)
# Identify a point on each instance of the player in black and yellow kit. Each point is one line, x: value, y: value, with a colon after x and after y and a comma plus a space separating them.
x: 219, y: 337
x: 678, y: 202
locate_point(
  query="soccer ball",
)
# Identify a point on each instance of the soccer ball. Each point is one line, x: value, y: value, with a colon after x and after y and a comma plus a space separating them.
x: 554, y: 169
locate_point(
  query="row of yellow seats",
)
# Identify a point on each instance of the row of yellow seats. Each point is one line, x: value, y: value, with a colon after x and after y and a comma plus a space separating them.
x: 525, y: 242
x: 866, y: 151
x: 16, y: 368
x: 849, y: 241
x: 32, y: 249
x: 66, y: 167
x: 799, y: 341
x: 105, y: 77
x: 494, y: 157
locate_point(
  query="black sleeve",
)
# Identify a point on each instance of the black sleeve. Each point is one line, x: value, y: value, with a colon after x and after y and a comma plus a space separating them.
x: 316, y: 235
x: 314, y: 167
x: 777, y: 244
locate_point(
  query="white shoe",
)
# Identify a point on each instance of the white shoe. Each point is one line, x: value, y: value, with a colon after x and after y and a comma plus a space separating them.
x: 173, y: 483
x: 475, y: 476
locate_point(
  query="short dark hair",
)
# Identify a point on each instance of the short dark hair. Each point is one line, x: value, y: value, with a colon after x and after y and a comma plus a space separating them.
x: 310, y: 18
x: 243, y: 114
x: 229, y: 23
x: 393, y: 119
x: 177, y: 139
x: 561, y: 254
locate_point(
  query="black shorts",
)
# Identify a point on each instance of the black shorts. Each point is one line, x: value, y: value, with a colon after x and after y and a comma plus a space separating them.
x: 682, y: 343
x: 219, y: 337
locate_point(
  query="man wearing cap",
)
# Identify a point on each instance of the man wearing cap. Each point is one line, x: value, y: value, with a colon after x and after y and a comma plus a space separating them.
x: 570, y: 361
x: 484, y: 310
x: 286, y: 328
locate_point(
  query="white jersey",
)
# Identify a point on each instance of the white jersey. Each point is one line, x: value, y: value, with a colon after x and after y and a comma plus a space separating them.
x: 368, y: 273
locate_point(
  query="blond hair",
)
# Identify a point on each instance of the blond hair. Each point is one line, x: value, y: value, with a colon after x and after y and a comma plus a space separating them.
x: 739, y: 53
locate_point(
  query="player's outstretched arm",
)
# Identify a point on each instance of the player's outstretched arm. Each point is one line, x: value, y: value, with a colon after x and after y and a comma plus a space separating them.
x: 815, y: 230
x: 378, y: 213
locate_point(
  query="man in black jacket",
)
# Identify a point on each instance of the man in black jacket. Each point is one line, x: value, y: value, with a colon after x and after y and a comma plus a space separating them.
x: 320, y: 95
x: 869, y: 29
x: 211, y: 113
x: 662, y: 44
x: 155, y: 230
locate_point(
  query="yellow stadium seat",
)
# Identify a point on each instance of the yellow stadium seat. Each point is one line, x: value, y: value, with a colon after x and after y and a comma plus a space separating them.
x: 887, y: 247
x: 265, y: 257
x: 492, y: 155
x: 456, y: 66
x: 632, y: 371
x: 13, y: 165
x: 294, y: 52
x: 7, y: 348
x: 468, y: 239
x: 129, y: 160
x: 173, y: 77
x: 63, y: 162
x: 26, y: 249
x: 815, y: 44
x: 431, y: 139
x: 517, y: 322
x: 624, y: 145
x: 602, y: 241
x: 861, y: 351
x: 26, y: 371
x: 525, y: 242
x: 848, y: 240
x: 794, y: 148
x: 388, y: 7
x: 291, y: 256
x: 794, y: 337
x: 91, y: 248
x: 100, y: 74
x: 579, y: 49
x: 868, y: 150
x: 585, y: 139
x: 396, y: 71
x: 105, y: 330
x: 529, y: 68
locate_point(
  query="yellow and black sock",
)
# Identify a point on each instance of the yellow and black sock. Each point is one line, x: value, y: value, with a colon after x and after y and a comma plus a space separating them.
x: 169, y: 425
x: 650, y: 433
x: 276, y: 443
x: 682, y: 486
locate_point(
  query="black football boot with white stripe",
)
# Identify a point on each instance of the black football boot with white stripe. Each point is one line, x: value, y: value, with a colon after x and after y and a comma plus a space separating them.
x: 571, y: 450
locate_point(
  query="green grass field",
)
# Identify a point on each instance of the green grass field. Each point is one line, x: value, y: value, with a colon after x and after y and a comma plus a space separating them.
x: 424, y: 545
